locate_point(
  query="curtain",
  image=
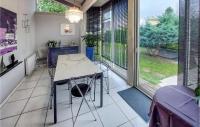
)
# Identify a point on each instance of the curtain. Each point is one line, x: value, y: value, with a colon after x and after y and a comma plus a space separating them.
x: 189, y: 43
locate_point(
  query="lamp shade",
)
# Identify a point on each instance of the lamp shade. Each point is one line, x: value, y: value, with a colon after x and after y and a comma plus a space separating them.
x: 74, y: 14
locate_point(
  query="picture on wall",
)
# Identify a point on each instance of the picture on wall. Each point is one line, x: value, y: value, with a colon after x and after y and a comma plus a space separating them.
x: 8, y: 26
x: 67, y: 29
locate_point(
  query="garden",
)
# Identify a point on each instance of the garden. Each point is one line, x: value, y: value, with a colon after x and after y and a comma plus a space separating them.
x: 159, y: 47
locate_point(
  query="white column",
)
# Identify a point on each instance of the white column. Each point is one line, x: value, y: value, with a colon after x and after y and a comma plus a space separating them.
x: 83, y: 32
x: 132, y: 41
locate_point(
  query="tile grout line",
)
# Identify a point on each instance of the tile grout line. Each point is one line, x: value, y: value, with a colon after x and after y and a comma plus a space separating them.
x: 31, y: 87
x: 109, y: 105
x: 114, y: 102
x: 28, y: 97
x: 121, y: 111
x: 63, y: 102
x: 95, y: 109
x: 27, y: 101
x: 16, y: 101
x: 125, y: 123
x: 81, y: 115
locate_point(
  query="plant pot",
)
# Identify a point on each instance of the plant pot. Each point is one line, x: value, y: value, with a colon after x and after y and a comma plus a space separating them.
x: 90, y: 53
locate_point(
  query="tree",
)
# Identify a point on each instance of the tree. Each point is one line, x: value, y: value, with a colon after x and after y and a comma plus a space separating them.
x: 162, y: 34
x: 51, y: 6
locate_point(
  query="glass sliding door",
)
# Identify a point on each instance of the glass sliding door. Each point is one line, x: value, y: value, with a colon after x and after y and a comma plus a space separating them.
x: 193, y: 46
x: 189, y: 74
x: 120, y: 24
x: 107, y: 46
x: 114, y: 30
x: 94, y: 27
x: 158, y: 44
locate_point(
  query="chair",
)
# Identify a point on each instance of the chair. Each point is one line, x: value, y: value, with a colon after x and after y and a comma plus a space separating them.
x: 41, y: 56
x: 81, y: 90
x: 52, y: 57
x: 105, y: 67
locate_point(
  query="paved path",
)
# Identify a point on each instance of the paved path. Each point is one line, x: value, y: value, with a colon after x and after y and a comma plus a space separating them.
x: 169, y: 81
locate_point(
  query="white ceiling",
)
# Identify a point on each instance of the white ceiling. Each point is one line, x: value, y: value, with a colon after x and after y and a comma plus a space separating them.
x: 99, y: 3
x: 77, y: 2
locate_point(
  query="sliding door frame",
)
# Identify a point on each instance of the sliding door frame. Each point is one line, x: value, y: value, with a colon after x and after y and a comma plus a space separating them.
x: 133, y: 42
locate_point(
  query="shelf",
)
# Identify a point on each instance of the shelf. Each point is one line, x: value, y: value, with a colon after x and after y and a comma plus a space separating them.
x: 9, y: 68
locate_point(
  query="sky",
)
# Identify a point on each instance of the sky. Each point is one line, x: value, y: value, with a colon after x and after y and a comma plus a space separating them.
x: 150, y: 8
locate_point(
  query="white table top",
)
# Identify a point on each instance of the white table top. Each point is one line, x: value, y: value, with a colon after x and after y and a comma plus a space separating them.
x: 74, y: 66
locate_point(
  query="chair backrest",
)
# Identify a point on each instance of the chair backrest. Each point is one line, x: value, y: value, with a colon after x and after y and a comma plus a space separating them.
x: 53, y: 54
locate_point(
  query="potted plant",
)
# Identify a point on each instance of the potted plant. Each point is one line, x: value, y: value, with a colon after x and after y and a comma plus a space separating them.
x: 52, y: 43
x: 197, y: 93
x: 91, y: 41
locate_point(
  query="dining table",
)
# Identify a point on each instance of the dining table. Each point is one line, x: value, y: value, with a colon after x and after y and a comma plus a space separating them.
x: 71, y: 67
x: 174, y: 106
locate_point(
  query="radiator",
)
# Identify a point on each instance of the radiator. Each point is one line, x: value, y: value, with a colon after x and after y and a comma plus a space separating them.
x: 30, y: 63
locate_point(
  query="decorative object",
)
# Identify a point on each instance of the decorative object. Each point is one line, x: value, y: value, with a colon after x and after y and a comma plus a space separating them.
x: 2, y: 65
x: 90, y: 53
x: 74, y: 14
x: 52, y: 43
x: 67, y: 29
x: 26, y: 23
x: 91, y: 41
x: 197, y: 93
x: 8, y: 26
x: 12, y: 59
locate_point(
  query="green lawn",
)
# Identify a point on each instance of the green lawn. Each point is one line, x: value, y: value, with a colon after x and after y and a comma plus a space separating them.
x: 120, y: 53
x: 154, y: 69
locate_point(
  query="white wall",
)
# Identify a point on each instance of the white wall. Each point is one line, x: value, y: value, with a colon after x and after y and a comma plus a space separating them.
x: 25, y: 41
x: 25, y: 44
x: 48, y: 28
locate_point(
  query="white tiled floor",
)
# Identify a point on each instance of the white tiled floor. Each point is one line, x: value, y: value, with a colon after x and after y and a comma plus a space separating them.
x: 27, y: 107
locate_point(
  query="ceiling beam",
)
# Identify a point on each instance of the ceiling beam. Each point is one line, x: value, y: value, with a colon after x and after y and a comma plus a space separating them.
x: 65, y: 2
x: 87, y: 4
x: 82, y: 2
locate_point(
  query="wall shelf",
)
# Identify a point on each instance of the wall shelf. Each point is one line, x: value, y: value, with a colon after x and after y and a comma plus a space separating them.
x: 9, y: 68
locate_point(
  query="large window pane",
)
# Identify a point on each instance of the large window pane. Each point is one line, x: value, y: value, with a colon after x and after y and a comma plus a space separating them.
x: 107, y: 33
x: 113, y: 27
x: 94, y: 26
x: 120, y: 24
x: 194, y: 38
x: 158, y: 43
x: 189, y: 40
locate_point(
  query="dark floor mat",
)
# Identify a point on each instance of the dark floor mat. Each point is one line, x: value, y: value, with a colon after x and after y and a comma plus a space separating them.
x: 138, y: 101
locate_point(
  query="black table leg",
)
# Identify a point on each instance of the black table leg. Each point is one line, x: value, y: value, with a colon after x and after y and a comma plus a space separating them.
x: 55, y: 105
x: 101, y: 91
